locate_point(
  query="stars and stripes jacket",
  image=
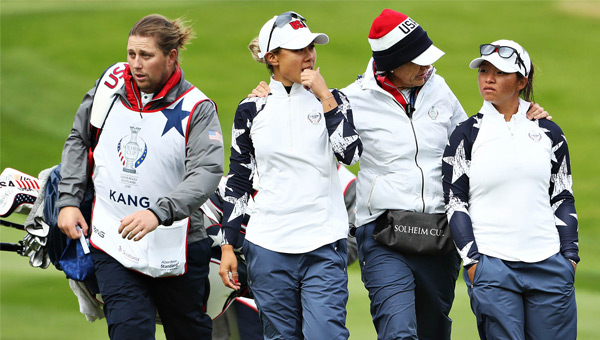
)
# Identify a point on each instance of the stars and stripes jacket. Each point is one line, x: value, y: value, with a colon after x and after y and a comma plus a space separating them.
x: 508, y: 188
x: 292, y: 145
x: 204, y: 160
x: 401, y: 165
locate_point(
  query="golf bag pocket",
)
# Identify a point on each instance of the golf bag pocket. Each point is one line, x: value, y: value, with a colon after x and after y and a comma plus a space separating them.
x: 66, y: 254
x: 75, y: 263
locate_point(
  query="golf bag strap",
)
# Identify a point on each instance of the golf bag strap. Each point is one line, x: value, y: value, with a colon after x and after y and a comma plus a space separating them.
x: 104, y: 98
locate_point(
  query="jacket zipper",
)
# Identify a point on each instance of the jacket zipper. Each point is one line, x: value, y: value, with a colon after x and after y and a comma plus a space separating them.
x: 139, y: 104
x: 416, y: 154
x: 291, y: 124
x: 418, y: 166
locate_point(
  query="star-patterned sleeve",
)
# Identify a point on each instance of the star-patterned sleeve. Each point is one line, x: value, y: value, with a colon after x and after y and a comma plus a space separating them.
x: 344, y: 139
x: 242, y: 166
x: 456, y: 164
x: 561, y: 192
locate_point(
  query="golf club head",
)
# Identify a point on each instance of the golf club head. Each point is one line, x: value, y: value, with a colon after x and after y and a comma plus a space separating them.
x: 18, y: 192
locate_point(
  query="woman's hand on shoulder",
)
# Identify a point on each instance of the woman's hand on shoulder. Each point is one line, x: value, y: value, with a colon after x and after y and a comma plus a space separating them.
x: 537, y: 112
x: 261, y: 91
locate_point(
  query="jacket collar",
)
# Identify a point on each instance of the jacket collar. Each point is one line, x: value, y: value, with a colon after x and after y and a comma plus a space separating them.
x: 488, y: 109
x: 132, y: 93
x: 278, y: 89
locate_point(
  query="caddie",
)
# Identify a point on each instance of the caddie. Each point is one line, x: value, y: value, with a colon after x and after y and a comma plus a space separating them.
x: 152, y: 145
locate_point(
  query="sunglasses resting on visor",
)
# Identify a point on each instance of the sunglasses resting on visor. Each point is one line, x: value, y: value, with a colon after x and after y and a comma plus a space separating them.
x: 504, y: 52
x: 282, y: 20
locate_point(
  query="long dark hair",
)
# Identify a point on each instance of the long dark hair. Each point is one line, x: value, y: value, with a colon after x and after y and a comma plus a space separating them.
x: 527, y: 92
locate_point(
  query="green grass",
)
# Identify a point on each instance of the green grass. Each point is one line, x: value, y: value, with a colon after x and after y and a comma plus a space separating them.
x: 51, y: 53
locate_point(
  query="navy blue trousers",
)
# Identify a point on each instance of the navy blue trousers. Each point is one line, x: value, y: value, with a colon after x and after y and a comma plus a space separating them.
x: 411, y: 295
x: 518, y: 300
x: 300, y: 296
x: 131, y: 299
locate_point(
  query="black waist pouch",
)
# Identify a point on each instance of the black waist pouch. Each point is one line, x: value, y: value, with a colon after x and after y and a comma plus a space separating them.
x: 414, y: 233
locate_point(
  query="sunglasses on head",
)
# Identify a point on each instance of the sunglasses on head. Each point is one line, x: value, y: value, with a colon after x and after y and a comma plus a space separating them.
x: 282, y: 20
x: 504, y: 52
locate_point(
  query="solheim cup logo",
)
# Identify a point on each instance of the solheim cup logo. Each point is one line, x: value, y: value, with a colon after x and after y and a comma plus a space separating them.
x: 132, y: 154
x: 314, y: 117
x: 433, y: 113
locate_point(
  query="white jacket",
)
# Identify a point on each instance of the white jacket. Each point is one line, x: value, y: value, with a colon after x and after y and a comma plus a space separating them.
x: 509, y: 188
x: 401, y: 164
x: 292, y: 145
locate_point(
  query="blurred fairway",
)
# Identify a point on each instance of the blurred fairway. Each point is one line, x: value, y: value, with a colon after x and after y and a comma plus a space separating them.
x: 52, y: 52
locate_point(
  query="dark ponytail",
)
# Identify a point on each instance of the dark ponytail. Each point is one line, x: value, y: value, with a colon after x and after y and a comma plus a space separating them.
x: 527, y: 92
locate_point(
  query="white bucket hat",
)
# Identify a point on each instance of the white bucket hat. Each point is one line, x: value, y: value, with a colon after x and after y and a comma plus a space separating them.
x: 287, y: 30
x: 506, y: 55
